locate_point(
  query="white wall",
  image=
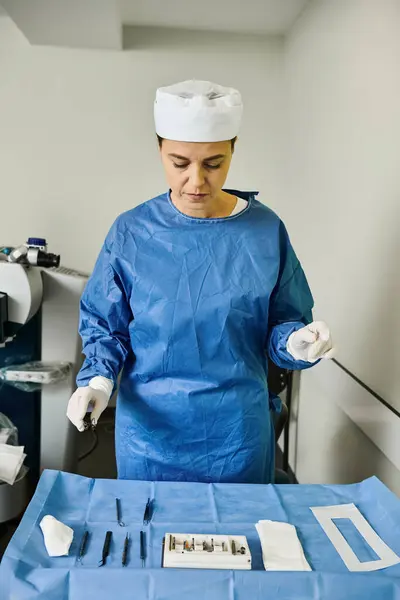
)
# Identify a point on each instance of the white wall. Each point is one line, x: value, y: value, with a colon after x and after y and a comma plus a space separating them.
x: 77, y: 145
x: 327, y: 439
x: 77, y: 148
x: 342, y: 206
x: 343, y: 176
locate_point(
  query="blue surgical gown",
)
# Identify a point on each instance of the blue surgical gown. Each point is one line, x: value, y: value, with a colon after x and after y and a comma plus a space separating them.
x: 190, y: 309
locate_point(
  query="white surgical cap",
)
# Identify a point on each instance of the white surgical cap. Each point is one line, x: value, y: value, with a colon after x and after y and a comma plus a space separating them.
x: 197, y: 111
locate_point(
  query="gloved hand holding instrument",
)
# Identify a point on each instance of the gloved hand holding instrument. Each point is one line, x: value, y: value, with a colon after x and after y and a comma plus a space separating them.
x: 93, y: 398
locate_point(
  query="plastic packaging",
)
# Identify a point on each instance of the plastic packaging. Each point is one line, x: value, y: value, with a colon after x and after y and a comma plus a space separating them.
x: 8, y: 431
x: 32, y: 375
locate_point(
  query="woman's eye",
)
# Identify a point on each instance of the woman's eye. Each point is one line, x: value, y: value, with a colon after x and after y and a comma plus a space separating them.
x: 206, y: 166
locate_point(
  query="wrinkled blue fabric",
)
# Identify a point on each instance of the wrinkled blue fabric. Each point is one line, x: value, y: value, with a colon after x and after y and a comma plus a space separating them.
x: 190, y: 307
x: 28, y: 573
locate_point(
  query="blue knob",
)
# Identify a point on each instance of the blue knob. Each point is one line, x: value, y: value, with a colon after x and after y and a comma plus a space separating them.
x: 36, y: 242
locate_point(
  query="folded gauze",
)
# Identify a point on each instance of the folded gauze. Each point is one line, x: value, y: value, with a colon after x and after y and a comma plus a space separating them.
x: 11, y: 461
x: 281, y: 547
x: 57, y: 536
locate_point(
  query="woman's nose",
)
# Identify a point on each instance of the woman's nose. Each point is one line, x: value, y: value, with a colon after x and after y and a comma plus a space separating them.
x: 197, y: 178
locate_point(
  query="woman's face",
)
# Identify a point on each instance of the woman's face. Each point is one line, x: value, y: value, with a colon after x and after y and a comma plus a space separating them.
x: 196, y: 172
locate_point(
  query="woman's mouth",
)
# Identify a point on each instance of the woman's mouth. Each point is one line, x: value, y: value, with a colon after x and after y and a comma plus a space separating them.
x: 197, y: 197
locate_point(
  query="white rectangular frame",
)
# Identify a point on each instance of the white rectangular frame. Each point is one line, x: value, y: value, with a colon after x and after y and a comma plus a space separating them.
x: 325, y: 516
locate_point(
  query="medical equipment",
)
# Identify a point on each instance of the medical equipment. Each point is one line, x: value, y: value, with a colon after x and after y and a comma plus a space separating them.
x: 83, y: 545
x: 92, y: 399
x: 106, y: 548
x: 187, y: 507
x: 3, y: 316
x: 125, y: 551
x: 118, y: 508
x: 33, y: 253
x: 143, y: 547
x: 89, y: 424
x: 38, y: 328
x: 194, y: 551
x: 326, y: 515
x: 147, y: 512
x: 22, y: 288
x: 36, y: 372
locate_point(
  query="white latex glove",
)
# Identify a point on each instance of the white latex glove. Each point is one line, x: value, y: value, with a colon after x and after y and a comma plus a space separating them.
x: 311, y: 343
x: 94, y: 397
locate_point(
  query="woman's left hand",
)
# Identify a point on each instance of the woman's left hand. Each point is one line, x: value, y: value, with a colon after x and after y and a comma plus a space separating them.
x: 311, y: 343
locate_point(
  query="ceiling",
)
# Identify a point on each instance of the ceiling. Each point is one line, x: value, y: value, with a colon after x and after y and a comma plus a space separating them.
x: 250, y: 16
x: 99, y: 23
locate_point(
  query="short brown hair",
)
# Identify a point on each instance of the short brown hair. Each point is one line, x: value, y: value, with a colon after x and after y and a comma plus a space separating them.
x: 233, y: 142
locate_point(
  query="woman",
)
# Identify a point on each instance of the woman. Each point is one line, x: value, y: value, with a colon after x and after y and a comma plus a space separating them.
x: 191, y: 291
